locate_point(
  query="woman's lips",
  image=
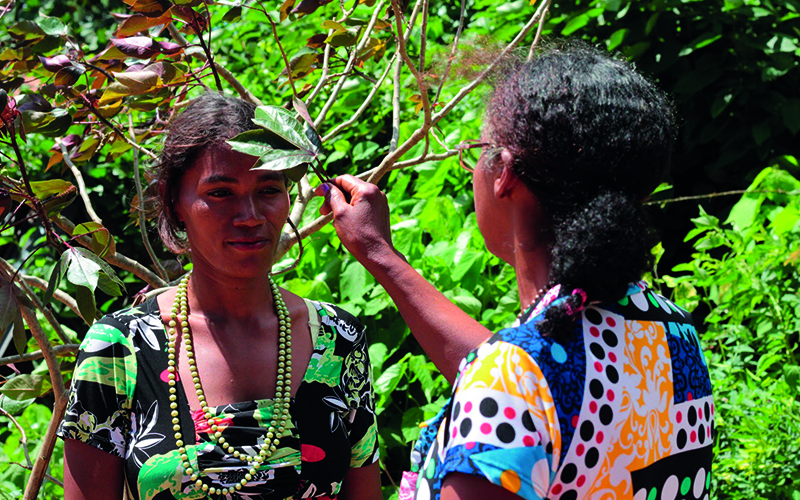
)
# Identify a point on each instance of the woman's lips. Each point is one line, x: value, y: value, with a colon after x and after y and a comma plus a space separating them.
x: 249, y: 244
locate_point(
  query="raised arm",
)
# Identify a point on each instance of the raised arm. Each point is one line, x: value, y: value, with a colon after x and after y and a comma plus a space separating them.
x: 444, y: 331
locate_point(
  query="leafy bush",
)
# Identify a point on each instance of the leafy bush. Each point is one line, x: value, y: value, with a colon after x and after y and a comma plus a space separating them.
x: 745, y: 276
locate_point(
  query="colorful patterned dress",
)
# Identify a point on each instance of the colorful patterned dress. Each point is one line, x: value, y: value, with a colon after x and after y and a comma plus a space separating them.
x: 622, y: 411
x: 119, y: 404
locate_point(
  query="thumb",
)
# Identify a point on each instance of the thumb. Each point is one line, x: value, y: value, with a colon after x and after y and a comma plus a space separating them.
x: 335, y: 199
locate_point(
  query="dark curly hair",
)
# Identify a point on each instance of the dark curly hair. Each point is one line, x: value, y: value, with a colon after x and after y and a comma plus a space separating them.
x: 210, y: 120
x: 591, y: 138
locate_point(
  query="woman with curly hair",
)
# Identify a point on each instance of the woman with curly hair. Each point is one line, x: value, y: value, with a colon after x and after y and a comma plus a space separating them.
x: 600, y: 388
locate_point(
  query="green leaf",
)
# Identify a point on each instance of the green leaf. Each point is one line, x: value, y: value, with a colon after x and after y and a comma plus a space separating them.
x: 233, y: 14
x: 410, y: 424
x: 102, y: 241
x: 346, y: 38
x: 743, y: 214
x: 81, y: 267
x: 283, y: 123
x: 53, y: 26
x: 353, y: 281
x: 55, y: 279
x: 282, y: 159
x: 23, y: 387
x: 13, y: 407
x: 27, y: 30
x: 253, y: 142
x: 9, y: 308
x: 46, y: 189
x: 389, y: 379
x: 86, y: 304
x: 20, y: 339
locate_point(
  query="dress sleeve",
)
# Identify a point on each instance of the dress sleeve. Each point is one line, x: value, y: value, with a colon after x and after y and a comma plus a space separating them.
x: 502, y: 423
x: 98, y: 411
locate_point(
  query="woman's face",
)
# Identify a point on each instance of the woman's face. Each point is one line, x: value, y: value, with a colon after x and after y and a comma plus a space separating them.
x: 493, y: 220
x: 233, y: 215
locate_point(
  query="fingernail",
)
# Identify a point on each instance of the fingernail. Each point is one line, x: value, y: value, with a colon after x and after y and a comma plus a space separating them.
x: 325, y: 189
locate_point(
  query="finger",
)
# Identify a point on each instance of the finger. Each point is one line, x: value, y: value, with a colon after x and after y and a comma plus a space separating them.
x: 335, y: 200
x: 350, y: 184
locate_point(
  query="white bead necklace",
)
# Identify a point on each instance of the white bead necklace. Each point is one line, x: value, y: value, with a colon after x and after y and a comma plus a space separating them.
x: 179, y: 317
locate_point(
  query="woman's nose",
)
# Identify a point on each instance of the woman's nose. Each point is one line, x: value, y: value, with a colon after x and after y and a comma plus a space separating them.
x: 249, y: 213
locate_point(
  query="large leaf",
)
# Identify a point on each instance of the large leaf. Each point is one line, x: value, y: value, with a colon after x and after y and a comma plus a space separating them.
x: 13, y: 407
x: 8, y: 304
x: 86, y: 304
x: 138, y: 81
x: 81, y: 267
x: 102, y: 241
x: 283, y: 123
x: 55, y: 63
x: 284, y: 160
x: 23, y: 387
x: 254, y: 142
x: 46, y: 189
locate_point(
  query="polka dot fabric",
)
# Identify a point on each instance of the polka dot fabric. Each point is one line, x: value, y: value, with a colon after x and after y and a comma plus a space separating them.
x: 622, y: 411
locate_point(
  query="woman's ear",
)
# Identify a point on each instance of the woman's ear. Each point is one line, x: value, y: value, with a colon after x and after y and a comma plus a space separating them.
x: 505, y: 183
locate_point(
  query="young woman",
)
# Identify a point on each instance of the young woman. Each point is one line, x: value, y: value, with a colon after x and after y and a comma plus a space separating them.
x: 225, y: 386
x: 600, y: 388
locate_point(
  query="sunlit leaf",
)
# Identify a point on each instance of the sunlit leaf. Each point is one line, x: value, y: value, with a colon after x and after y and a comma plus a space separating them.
x: 23, y: 387
x: 55, y: 63
x: 52, y: 26
x: 69, y: 75
x: 345, y: 38
x: 81, y: 266
x: 283, y: 123
x: 102, y: 241
x: 138, y: 23
x: 284, y: 10
x: 27, y: 30
x: 138, y: 81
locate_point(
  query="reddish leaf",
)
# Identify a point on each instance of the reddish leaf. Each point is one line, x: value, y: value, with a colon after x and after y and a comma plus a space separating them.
x: 284, y: 10
x: 309, y: 6
x: 69, y: 75
x: 140, y: 47
x: 54, y: 160
x: 53, y: 64
x: 135, y: 24
x: 150, y: 8
x: 317, y: 41
x: 169, y: 48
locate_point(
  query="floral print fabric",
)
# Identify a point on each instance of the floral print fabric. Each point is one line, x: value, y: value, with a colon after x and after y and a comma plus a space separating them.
x: 119, y: 403
x: 624, y: 410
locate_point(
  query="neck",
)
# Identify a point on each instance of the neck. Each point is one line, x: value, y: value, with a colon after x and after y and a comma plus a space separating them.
x: 531, y: 254
x: 241, y: 299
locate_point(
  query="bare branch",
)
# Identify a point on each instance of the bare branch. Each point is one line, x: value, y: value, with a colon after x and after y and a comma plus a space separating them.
x: 48, y: 314
x: 301, y: 201
x: 538, y: 36
x: 58, y: 294
x: 461, y: 18
x: 47, y: 350
x: 353, y: 119
x: 87, y: 203
x: 23, y: 440
x: 401, y: 49
x: 714, y: 195
x: 60, y: 351
x: 398, y: 66
x: 117, y: 259
x: 224, y: 73
x: 142, y: 219
x: 46, y: 450
x: 471, y: 86
x: 323, y: 80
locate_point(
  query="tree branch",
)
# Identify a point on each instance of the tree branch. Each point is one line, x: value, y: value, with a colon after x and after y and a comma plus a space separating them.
x: 87, y: 203
x: 538, y: 36
x: 60, y: 296
x: 46, y: 451
x: 60, y: 351
x: 401, y: 49
x: 714, y: 195
x: 142, y: 219
x: 227, y: 75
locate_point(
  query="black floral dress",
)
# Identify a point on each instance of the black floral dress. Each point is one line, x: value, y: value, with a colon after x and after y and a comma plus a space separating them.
x: 119, y: 403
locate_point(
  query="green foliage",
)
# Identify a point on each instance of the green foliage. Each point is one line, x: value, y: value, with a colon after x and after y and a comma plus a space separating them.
x: 746, y: 273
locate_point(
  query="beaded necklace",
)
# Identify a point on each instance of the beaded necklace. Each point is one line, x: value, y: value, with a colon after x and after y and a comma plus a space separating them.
x: 526, y: 311
x: 179, y: 317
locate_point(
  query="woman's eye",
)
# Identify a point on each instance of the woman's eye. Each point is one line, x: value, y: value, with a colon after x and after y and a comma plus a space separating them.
x: 218, y: 193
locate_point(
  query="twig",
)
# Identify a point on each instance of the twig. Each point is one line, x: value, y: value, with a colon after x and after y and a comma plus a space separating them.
x: 60, y: 296
x: 23, y: 440
x: 715, y: 195
x: 196, y: 27
x: 116, y: 129
x: 39, y: 470
x: 283, y: 53
x: 301, y: 201
x: 423, y: 36
x: 323, y: 80
x: 48, y: 314
x: 60, y: 351
x: 142, y: 219
x: 538, y: 36
x: 117, y: 259
x: 48, y: 476
x: 87, y: 203
x: 398, y: 66
x: 452, y: 51
x: 47, y: 350
x: 364, y: 105
x: 401, y: 49
x: 227, y: 75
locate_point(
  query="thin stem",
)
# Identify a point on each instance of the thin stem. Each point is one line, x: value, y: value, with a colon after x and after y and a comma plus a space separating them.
x: 423, y: 36
x: 39, y: 470
x: 142, y: 219
x: 401, y: 49
x: 538, y: 36
x: 47, y: 351
x: 46, y: 475
x: 715, y: 195
x: 61, y: 351
x: 87, y: 203
x: 364, y: 105
x: 336, y: 89
x: 452, y: 51
x: 323, y: 80
x: 227, y: 75
x: 116, y: 129
x: 23, y: 440
x: 283, y: 53
x: 206, y: 46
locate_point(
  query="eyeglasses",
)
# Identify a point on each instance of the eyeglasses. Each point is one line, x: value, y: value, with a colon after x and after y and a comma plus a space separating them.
x: 470, y: 151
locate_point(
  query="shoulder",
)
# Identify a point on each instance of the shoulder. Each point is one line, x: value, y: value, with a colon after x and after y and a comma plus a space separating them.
x: 131, y: 327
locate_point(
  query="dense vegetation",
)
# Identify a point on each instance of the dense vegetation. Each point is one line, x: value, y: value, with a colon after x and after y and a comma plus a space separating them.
x: 88, y: 85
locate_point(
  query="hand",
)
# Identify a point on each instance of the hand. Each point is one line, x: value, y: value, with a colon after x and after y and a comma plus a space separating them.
x: 362, y: 223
